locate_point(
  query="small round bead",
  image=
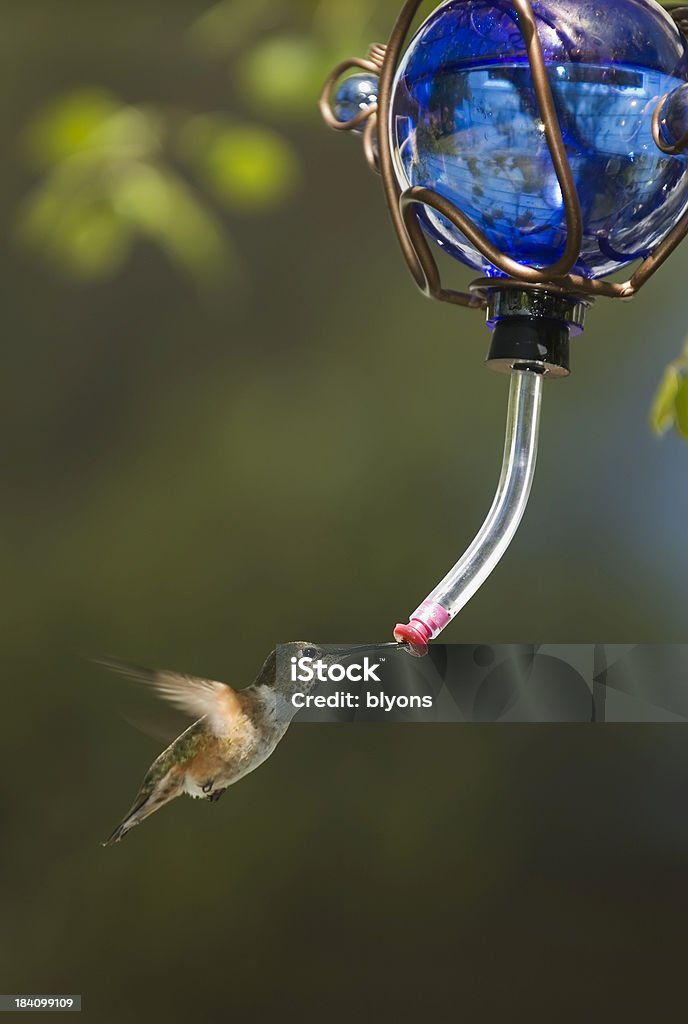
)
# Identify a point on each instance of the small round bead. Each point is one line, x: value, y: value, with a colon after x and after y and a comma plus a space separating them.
x: 357, y: 93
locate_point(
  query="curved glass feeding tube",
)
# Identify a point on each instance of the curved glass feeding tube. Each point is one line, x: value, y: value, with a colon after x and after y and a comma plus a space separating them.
x: 503, y: 520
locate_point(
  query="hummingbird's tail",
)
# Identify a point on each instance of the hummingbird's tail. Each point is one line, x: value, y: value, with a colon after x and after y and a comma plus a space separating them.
x: 129, y: 822
x: 146, y: 803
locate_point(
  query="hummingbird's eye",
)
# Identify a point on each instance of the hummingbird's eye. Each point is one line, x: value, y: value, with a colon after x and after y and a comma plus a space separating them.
x: 310, y: 652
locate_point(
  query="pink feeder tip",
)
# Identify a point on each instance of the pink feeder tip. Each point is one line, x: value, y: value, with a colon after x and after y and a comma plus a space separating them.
x: 426, y: 623
x: 415, y: 637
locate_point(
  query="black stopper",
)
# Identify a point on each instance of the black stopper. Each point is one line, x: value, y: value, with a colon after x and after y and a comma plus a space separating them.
x: 530, y: 343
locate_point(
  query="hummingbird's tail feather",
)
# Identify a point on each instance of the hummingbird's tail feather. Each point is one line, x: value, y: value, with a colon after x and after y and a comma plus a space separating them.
x: 136, y: 815
x: 146, y: 803
x: 133, y: 818
x: 119, y: 833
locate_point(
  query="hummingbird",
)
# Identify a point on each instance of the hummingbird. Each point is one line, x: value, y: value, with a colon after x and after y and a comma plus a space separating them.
x: 235, y: 731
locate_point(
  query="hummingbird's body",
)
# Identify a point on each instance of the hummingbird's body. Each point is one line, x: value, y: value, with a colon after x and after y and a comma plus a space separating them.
x: 235, y: 731
x: 239, y: 731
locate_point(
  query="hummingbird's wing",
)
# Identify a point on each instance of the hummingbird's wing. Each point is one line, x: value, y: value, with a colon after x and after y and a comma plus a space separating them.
x: 217, y: 702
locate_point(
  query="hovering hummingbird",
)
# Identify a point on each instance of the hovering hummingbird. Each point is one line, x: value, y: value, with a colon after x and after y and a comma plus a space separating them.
x: 235, y: 733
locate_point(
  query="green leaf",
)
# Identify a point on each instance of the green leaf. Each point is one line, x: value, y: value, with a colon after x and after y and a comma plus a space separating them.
x: 91, y: 127
x: 663, y: 415
x: 68, y: 124
x: 681, y: 406
x: 248, y: 166
x: 284, y: 74
x: 82, y: 236
x: 161, y: 206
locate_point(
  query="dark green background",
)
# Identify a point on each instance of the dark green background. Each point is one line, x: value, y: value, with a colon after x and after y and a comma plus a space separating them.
x: 190, y: 478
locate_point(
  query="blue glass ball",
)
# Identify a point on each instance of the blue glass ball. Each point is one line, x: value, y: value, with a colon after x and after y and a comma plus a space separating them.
x: 356, y: 93
x: 465, y: 123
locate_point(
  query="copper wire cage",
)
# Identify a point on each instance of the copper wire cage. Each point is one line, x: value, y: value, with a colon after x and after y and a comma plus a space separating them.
x: 403, y: 204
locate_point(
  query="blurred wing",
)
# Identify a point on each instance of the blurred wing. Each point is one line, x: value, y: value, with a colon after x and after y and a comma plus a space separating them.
x: 163, y: 724
x: 200, y: 698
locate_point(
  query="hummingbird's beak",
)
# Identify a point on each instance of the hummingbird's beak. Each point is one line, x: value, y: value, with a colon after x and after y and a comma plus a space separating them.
x: 365, y: 648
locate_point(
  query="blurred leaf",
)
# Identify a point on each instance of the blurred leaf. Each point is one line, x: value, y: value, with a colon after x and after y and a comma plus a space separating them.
x: 107, y: 184
x: 131, y: 133
x: 163, y: 207
x: 682, y: 408
x: 68, y: 124
x: 75, y: 228
x: 285, y: 74
x: 110, y: 178
x: 96, y: 242
x: 670, y: 407
x: 663, y: 415
x: 249, y: 167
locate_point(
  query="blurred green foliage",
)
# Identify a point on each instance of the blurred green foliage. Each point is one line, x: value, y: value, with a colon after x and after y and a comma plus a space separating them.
x: 113, y: 173
x: 110, y: 177
x: 106, y: 183
x: 670, y: 408
x: 246, y: 166
x: 281, y: 51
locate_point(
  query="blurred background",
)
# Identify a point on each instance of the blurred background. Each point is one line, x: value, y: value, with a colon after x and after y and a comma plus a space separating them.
x: 218, y: 435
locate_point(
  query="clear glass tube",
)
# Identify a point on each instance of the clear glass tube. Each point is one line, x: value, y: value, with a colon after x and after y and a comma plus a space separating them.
x: 503, y: 520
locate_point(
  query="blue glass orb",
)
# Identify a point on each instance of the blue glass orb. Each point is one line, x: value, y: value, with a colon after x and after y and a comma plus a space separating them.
x: 465, y: 123
x: 356, y: 93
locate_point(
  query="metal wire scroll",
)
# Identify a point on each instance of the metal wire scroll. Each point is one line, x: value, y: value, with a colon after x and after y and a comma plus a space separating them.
x: 403, y: 204
x: 366, y: 119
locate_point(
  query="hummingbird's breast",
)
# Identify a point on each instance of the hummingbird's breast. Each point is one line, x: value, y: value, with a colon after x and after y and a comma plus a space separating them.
x: 250, y: 741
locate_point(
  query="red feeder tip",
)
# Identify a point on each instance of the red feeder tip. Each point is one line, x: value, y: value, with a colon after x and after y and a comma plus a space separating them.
x: 415, y: 637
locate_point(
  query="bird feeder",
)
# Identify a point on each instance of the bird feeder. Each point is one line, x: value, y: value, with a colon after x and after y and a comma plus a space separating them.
x: 543, y: 144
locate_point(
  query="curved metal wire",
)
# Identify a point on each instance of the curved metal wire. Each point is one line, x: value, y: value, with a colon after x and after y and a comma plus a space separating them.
x: 414, y: 245
x: 562, y: 167
x: 679, y: 12
x: 370, y: 143
x: 670, y: 150
x: 327, y: 95
x: 366, y: 119
x: 403, y: 204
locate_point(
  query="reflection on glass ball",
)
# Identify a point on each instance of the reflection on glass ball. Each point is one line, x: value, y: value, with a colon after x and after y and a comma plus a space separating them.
x: 356, y: 93
x: 465, y: 123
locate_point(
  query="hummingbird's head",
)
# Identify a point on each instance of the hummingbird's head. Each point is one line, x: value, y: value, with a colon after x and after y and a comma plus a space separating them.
x: 294, y: 662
